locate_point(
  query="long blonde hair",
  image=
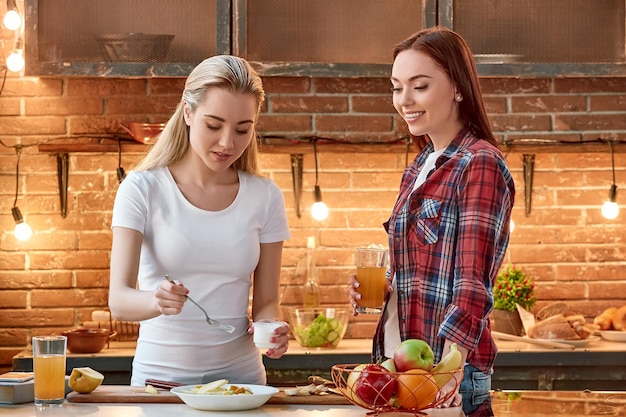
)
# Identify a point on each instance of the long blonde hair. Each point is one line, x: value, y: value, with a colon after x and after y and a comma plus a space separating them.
x: 225, y: 71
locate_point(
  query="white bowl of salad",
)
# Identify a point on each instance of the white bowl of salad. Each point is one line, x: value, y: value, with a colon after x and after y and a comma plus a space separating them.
x: 322, y: 327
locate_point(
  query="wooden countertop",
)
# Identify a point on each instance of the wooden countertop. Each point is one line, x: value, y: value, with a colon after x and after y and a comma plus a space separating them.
x: 498, y: 404
x: 600, y: 365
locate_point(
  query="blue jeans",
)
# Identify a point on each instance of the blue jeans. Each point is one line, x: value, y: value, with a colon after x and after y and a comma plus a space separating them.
x: 474, y: 388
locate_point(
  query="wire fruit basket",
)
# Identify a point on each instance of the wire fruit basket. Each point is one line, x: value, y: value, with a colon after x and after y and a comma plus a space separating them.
x: 383, y: 391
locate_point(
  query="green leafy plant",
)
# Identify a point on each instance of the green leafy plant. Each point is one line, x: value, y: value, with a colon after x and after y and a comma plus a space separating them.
x: 513, y: 287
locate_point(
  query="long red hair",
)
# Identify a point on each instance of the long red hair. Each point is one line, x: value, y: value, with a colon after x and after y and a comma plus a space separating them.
x: 452, y: 54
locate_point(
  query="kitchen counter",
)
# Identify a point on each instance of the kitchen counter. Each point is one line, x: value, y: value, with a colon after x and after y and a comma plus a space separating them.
x: 601, y: 365
x: 500, y: 404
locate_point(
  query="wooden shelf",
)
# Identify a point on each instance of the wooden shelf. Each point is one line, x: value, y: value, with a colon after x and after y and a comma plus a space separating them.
x: 106, y: 145
x: 563, y: 147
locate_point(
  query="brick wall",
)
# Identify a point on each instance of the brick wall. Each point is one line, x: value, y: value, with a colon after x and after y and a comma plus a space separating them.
x: 56, y: 279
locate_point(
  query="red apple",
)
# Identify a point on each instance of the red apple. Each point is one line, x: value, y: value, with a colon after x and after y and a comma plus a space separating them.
x: 413, y: 354
x: 375, y: 385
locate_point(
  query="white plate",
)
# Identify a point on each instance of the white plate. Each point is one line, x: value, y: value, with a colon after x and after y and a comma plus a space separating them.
x: 260, y: 395
x: 613, y: 335
x: 575, y: 343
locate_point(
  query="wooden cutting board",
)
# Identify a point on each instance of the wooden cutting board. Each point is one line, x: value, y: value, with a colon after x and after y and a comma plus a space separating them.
x: 122, y: 394
x: 128, y: 394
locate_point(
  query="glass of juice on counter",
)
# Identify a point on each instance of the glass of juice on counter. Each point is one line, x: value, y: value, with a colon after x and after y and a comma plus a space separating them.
x: 49, y: 369
x: 371, y: 267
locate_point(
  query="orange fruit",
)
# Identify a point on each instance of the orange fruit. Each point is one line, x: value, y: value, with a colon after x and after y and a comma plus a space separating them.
x: 416, y: 389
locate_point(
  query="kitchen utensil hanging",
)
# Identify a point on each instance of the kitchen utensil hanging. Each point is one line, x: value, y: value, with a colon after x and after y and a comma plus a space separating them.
x: 529, y: 170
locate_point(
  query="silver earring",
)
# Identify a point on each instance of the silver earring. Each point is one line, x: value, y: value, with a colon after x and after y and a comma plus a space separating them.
x: 458, y: 97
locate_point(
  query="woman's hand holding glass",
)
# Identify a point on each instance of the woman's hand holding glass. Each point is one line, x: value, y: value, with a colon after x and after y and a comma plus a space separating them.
x: 355, y: 296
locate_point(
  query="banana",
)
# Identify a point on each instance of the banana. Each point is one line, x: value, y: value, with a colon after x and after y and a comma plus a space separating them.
x: 442, y: 372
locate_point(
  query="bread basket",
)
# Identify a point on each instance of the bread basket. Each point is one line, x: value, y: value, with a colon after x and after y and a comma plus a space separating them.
x: 402, y: 392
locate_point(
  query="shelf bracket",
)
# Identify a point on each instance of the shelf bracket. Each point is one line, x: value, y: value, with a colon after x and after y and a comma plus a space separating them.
x: 62, y: 174
x: 529, y: 170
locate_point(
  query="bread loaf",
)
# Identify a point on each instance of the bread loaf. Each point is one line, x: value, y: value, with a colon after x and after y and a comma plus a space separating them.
x: 553, y: 327
x: 613, y: 318
x: 605, y: 319
x: 619, y: 318
x: 550, y: 310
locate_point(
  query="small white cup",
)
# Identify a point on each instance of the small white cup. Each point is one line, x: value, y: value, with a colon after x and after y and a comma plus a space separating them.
x: 263, y: 333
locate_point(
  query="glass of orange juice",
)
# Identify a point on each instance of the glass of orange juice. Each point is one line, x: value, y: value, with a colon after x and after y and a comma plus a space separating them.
x: 49, y: 353
x: 371, y: 267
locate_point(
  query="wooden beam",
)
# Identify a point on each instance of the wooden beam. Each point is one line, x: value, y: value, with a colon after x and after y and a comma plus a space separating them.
x: 107, y: 145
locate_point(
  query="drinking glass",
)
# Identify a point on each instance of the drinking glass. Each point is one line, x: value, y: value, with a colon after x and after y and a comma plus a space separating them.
x: 49, y: 369
x: 371, y: 267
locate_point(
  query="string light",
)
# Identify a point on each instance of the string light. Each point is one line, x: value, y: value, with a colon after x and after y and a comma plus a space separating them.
x: 610, y: 209
x: 12, y: 20
x: 319, y: 210
x: 22, y: 230
x: 15, y: 61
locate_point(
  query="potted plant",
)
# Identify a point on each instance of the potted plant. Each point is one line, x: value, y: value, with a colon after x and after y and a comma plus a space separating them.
x: 512, y: 287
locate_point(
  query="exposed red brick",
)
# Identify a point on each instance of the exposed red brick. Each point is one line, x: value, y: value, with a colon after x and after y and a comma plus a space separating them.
x: 309, y: 104
x: 329, y: 123
x: 352, y: 85
x: 286, y: 85
x: 545, y: 104
x: 590, y: 85
x: 55, y: 280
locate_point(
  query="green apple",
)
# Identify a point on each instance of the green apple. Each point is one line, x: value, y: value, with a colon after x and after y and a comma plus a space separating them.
x: 85, y: 380
x: 413, y: 354
x: 389, y: 365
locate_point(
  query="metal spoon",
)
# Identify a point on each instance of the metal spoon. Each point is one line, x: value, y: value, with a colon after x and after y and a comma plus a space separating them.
x: 226, y: 327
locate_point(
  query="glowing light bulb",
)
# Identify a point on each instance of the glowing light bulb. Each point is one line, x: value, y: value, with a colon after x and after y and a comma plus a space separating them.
x: 15, y: 61
x: 512, y: 226
x: 319, y: 210
x: 22, y: 230
x: 610, y: 210
x: 12, y: 20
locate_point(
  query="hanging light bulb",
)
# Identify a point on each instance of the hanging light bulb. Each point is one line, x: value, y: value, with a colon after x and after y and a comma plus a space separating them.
x: 12, y: 20
x: 15, y: 61
x: 610, y: 209
x: 319, y: 210
x: 22, y: 230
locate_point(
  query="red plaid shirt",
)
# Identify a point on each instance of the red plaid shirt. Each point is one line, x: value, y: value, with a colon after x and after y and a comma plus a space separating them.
x: 447, y: 242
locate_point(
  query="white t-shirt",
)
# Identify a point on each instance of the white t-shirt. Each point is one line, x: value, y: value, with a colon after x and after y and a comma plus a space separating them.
x: 213, y: 253
x: 392, y: 326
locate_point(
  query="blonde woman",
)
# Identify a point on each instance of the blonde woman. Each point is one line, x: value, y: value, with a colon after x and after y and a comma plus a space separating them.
x: 196, y: 209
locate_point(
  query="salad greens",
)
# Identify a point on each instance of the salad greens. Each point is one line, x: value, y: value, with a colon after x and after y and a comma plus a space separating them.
x: 322, y: 332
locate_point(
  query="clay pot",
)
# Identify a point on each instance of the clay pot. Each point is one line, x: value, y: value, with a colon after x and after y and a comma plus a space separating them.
x: 145, y: 133
x: 87, y: 340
